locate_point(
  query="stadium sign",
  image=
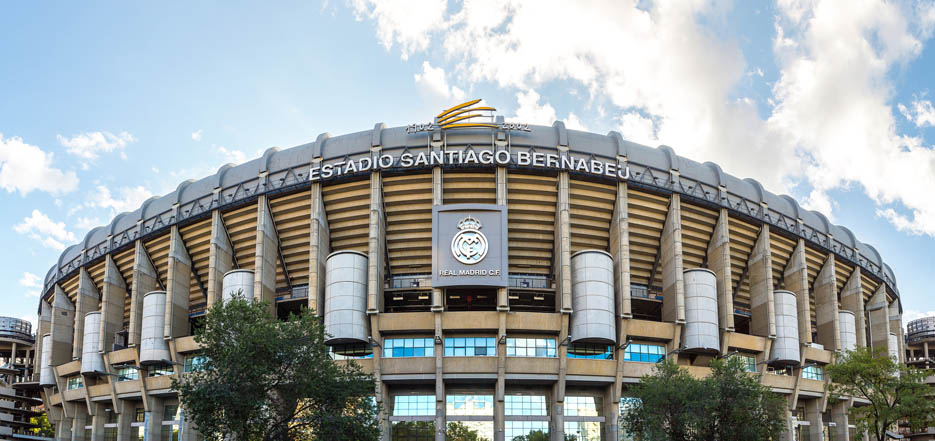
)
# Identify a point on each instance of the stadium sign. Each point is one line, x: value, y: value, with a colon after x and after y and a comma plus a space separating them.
x: 469, y: 245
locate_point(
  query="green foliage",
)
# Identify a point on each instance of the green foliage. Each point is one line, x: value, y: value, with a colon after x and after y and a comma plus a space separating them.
x: 44, y: 429
x: 269, y: 380
x: 730, y: 404
x: 405, y: 430
x: 895, y: 391
x: 460, y: 432
x: 535, y: 435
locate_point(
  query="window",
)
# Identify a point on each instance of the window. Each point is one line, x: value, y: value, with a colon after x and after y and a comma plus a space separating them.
x: 591, y: 351
x: 110, y: 434
x: 74, y: 383
x: 644, y: 353
x: 412, y: 431
x: 161, y: 369
x: 530, y: 347
x: 470, y: 347
x: 140, y: 415
x: 525, y: 405
x: 414, y: 405
x: 812, y: 373
x: 526, y: 430
x: 352, y: 351
x: 408, y: 347
x: 137, y: 433
x: 127, y: 373
x: 749, y: 362
x: 779, y: 370
x: 584, y: 406
x: 195, y: 363
x: 171, y: 412
x: 469, y: 405
x: 170, y: 432
x: 583, y: 430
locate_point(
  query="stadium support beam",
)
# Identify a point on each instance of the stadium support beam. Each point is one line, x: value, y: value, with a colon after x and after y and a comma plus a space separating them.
x: 438, y: 303
x: 376, y: 244
x: 826, y: 306
x: 795, y: 278
x: 878, y: 311
x: 178, y: 286
x: 63, y: 327
x: 760, y: 272
x: 620, y: 250
x: 114, y: 297
x: 562, y: 256
x: 319, y: 248
x: 670, y: 259
x: 85, y: 302
x: 840, y: 418
x: 896, y: 327
x: 45, y: 326
x: 267, y: 249
x: 220, y: 258
x: 718, y: 257
x: 145, y: 280
x: 852, y: 300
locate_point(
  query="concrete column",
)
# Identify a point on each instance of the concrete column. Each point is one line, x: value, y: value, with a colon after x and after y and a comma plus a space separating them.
x: 670, y: 261
x: 620, y: 250
x: 187, y: 429
x: 125, y: 416
x: 220, y: 258
x: 63, y: 428
x: 760, y: 274
x: 154, y: 418
x: 376, y: 246
x: 896, y: 327
x: 840, y: 419
x: 852, y: 299
x: 558, y: 389
x: 878, y: 311
x: 719, y: 261
x: 438, y: 300
x: 795, y: 278
x: 78, y: 423
x: 113, y: 298
x: 178, y: 286
x: 813, y: 415
x: 97, y: 422
x: 144, y: 281
x: 45, y: 326
x: 562, y: 257
x: 85, y: 302
x: 826, y: 306
x: 267, y: 253
x: 503, y: 301
x: 319, y: 248
x: 63, y: 327
x: 503, y: 306
x: 611, y: 412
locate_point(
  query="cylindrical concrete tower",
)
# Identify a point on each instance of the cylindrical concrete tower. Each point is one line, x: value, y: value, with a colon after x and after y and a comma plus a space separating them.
x: 592, y: 297
x: 346, y: 297
x: 786, y: 345
x: 701, y: 322
x: 91, y: 360
x: 153, y: 346
x: 237, y: 282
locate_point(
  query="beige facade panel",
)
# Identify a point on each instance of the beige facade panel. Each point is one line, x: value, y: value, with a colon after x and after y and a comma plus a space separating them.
x: 197, y: 239
x: 475, y: 187
x: 407, y: 201
x: 347, y: 206
x: 291, y: 213
x: 70, y: 287
x: 646, y: 216
x: 158, y: 250
x: 780, y: 248
x: 697, y: 227
x: 241, y: 227
x: 591, y: 207
x: 842, y: 272
x: 531, y: 203
x: 743, y: 236
x: 124, y: 262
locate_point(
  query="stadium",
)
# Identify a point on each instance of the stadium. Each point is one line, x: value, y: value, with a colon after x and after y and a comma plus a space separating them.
x: 508, y: 277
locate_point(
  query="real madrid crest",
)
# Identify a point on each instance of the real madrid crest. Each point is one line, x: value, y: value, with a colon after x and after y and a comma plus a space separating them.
x: 469, y: 246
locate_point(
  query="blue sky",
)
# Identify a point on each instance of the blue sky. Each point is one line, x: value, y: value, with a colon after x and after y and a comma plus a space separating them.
x: 105, y: 104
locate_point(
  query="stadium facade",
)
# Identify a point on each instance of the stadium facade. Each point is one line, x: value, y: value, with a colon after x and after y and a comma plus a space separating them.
x: 502, y: 276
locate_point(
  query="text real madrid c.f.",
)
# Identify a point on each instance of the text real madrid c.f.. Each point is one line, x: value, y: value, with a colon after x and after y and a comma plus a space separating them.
x: 555, y: 161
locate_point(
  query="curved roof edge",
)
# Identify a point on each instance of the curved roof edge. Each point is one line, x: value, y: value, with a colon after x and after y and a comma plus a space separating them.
x: 279, y: 168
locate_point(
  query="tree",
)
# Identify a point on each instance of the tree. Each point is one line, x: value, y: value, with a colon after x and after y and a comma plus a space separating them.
x: 666, y: 406
x: 729, y: 404
x: 534, y: 435
x: 271, y: 380
x: 738, y: 407
x: 894, y: 391
x: 44, y: 429
x: 458, y: 431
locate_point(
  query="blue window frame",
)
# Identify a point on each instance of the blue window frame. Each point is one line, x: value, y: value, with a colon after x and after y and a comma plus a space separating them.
x: 645, y: 353
x: 414, y: 405
x: 591, y: 351
x: 813, y: 373
x: 530, y: 347
x: 470, y: 347
x: 408, y: 347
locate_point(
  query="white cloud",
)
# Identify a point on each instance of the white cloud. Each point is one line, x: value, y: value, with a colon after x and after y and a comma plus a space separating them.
x: 922, y: 113
x: 196, y: 135
x: 25, y: 167
x: 231, y: 155
x: 530, y: 111
x: 50, y: 234
x: 434, y: 83
x: 87, y: 223
x: 33, y: 282
x: 402, y: 23
x: 127, y: 199
x: 666, y: 76
x: 90, y: 145
x: 912, y: 314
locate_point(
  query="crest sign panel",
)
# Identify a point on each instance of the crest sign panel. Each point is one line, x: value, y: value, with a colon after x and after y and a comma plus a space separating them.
x: 469, y: 245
